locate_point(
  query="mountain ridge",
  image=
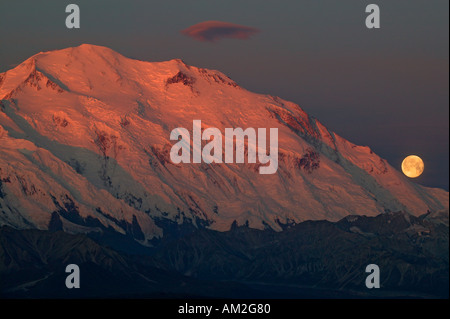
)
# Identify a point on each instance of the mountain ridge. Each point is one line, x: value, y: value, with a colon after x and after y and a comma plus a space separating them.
x: 299, y: 262
x: 89, y: 118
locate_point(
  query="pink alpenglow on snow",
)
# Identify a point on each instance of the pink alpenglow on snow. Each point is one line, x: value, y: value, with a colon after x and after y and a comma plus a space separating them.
x: 88, y: 130
x: 214, y: 146
x: 211, y: 31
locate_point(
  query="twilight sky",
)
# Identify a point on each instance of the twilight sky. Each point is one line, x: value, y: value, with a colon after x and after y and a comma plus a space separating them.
x: 385, y: 88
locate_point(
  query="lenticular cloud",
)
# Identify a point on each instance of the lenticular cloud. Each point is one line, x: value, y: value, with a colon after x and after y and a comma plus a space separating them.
x: 211, y: 31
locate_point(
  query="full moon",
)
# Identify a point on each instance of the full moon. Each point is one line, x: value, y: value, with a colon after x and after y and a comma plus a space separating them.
x: 413, y: 166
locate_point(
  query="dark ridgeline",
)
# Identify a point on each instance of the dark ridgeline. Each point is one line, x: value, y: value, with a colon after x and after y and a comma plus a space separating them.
x: 313, y: 259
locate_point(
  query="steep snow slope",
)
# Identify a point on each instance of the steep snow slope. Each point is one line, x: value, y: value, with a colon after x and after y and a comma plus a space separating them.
x: 34, y: 184
x: 102, y: 122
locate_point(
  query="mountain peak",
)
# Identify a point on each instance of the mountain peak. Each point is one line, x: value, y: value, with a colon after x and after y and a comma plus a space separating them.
x: 90, y: 50
x: 93, y: 47
x: 84, y: 49
x: 91, y: 69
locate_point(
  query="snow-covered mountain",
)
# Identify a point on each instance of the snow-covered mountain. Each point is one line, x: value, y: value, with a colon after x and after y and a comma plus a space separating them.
x: 85, y: 144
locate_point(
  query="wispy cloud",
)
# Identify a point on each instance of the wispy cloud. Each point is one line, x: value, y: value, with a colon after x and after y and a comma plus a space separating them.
x: 211, y: 31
